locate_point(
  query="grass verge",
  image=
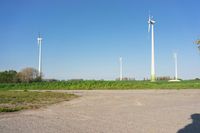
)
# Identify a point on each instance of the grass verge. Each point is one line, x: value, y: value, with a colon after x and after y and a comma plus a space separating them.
x: 11, y: 101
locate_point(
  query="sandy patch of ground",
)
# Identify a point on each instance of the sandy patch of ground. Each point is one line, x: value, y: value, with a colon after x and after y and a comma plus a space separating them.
x: 109, y: 111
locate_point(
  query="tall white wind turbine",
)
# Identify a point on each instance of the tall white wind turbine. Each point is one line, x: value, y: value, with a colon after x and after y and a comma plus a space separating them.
x: 39, y: 39
x: 120, y: 70
x: 176, y: 66
x: 176, y: 69
x: 151, y: 23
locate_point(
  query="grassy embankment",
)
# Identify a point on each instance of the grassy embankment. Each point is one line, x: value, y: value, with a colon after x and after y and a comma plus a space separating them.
x: 95, y: 85
x: 11, y: 101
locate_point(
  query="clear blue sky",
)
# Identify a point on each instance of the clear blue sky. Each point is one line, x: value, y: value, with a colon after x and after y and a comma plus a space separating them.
x: 85, y: 38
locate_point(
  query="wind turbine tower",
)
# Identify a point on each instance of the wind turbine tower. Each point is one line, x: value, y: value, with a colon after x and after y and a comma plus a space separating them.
x: 39, y: 39
x: 121, y: 71
x: 151, y: 23
x: 176, y: 69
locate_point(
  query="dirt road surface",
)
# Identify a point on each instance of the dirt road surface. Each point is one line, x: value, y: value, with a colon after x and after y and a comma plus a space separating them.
x: 111, y: 111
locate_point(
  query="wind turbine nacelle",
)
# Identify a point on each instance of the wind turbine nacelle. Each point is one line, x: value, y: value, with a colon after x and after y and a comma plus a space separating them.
x: 151, y: 22
x: 39, y: 39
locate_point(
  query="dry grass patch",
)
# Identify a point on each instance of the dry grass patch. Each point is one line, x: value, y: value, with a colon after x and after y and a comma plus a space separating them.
x: 11, y: 101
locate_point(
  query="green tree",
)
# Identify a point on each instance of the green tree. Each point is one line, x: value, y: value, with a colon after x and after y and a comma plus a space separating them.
x: 8, y: 76
x: 198, y: 43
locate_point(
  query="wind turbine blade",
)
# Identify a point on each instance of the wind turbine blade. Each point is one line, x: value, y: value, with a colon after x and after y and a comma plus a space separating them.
x: 149, y: 22
x: 149, y: 27
x: 38, y: 41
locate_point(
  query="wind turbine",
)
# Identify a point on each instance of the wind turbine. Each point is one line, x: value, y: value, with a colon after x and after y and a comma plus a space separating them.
x: 151, y: 23
x: 120, y: 70
x: 39, y: 39
x: 176, y: 68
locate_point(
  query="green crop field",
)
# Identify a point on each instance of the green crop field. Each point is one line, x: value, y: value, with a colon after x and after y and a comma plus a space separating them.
x: 98, y: 85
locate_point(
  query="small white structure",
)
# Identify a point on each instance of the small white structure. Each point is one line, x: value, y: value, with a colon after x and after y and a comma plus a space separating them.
x: 151, y: 23
x: 39, y: 39
x: 176, y: 69
x: 120, y: 69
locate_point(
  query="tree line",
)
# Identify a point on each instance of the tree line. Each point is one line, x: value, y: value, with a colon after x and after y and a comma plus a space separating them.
x: 26, y: 75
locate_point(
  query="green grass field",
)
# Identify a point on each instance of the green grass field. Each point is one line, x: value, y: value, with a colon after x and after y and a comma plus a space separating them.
x: 11, y: 101
x: 98, y: 85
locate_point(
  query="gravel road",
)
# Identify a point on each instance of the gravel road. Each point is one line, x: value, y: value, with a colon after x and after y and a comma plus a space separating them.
x: 112, y: 111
